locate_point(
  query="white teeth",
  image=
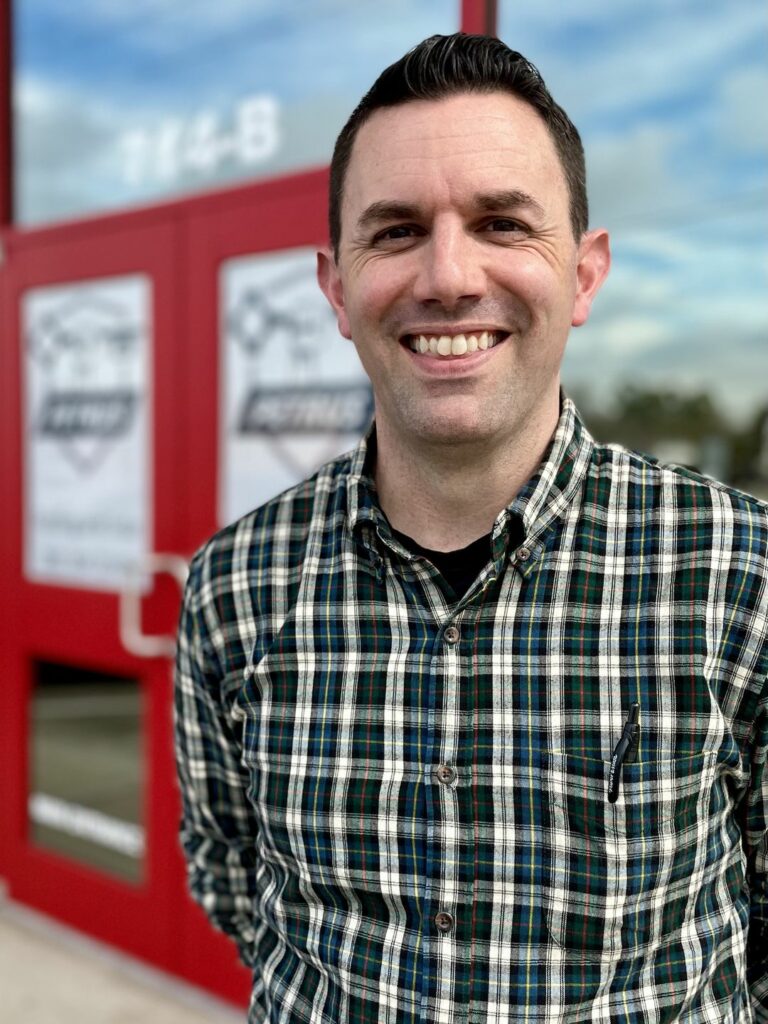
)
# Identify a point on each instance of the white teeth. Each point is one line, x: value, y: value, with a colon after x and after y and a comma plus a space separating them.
x: 452, y: 345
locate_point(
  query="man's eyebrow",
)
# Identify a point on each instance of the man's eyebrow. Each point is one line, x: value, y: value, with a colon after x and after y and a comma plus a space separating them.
x: 387, y: 209
x: 505, y: 199
x: 508, y: 199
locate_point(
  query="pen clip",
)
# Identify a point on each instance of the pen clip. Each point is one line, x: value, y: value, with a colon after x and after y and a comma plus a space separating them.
x: 634, y: 738
x: 625, y: 751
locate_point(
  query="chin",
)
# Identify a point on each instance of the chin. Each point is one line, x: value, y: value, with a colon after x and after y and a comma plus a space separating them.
x: 455, y: 431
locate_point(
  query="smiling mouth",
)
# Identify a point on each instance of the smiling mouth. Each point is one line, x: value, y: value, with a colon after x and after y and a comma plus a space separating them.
x: 451, y: 346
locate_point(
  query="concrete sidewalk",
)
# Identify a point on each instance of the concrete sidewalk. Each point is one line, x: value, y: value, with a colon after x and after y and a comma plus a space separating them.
x: 50, y: 974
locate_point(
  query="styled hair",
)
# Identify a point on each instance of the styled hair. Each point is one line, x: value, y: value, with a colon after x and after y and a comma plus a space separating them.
x: 443, y: 66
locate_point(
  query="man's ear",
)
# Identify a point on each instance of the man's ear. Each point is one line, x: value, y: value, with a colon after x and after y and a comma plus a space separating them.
x: 594, y: 261
x: 329, y: 279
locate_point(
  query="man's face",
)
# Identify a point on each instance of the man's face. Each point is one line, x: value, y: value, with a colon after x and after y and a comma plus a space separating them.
x: 456, y: 236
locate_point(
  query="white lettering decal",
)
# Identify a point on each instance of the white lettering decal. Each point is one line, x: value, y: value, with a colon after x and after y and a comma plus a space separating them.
x: 201, y: 144
x: 85, y: 823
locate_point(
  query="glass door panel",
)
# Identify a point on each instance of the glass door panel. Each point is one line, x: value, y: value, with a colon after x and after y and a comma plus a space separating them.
x: 87, y: 770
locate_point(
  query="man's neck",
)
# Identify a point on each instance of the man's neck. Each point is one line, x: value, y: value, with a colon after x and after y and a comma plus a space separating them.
x: 446, y: 496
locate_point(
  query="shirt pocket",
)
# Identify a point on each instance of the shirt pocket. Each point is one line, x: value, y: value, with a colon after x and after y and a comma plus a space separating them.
x: 620, y: 874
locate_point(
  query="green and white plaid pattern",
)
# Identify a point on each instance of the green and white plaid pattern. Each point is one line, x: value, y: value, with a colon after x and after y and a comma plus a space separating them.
x: 396, y: 804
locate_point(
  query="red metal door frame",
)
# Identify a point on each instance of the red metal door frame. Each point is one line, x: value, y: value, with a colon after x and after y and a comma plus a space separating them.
x: 78, y: 626
x: 479, y: 16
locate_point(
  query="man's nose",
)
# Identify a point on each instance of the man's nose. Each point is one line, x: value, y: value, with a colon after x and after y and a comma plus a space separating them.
x: 450, y: 268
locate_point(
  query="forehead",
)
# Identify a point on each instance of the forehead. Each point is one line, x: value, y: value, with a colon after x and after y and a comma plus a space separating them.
x: 471, y: 142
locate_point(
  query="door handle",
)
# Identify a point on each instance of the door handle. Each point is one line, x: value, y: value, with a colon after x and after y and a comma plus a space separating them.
x: 133, y: 639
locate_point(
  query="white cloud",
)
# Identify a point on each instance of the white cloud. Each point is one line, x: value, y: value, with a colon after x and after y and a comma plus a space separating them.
x: 719, y: 361
x: 630, y: 333
x: 630, y: 173
x: 56, y: 128
x: 70, y: 157
x: 159, y: 27
x: 663, y: 325
x: 197, y: 15
x: 646, y: 50
x: 743, y: 109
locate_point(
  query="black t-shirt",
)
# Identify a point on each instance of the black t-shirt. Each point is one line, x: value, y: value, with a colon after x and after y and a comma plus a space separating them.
x: 458, y: 568
x: 461, y: 568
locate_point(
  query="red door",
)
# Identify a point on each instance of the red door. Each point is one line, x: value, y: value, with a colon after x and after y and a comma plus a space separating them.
x: 97, y: 484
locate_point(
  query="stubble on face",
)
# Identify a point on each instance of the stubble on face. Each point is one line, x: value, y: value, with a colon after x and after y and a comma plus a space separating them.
x: 424, y: 249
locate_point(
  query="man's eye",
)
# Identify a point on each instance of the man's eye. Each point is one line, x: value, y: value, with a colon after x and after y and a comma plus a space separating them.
x: 505, y: 224
x: 394, y: 233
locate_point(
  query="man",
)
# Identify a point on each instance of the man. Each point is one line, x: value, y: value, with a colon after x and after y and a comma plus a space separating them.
x: 473, y: 725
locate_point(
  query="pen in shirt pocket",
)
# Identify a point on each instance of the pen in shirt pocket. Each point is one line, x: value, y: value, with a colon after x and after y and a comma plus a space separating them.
x: 625, y: 752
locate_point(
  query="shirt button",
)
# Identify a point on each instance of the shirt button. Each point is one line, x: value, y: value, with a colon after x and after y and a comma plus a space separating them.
x: 523, y: 554
x: 446, y: 774
x: 451, y: 635
x: 443, y: 922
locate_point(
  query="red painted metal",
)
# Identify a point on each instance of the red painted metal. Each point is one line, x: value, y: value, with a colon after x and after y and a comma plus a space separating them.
x: 76, y: 626
x: 479, y: 17
x: 11, y: 706
x: 79, y: 627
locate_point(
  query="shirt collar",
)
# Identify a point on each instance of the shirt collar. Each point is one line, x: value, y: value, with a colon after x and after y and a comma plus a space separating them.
x: 543, y: 499
x: 362, y: 499
x: 561, y: 473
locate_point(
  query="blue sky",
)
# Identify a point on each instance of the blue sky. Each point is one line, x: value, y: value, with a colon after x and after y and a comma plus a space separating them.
x: 671, y: 98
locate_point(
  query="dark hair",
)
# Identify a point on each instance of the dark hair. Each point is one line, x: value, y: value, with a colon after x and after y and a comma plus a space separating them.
x: 445, y: 66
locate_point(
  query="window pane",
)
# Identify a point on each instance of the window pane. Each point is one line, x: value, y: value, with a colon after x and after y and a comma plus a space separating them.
x: 121, y: 103
x: 670, y: 99
x: 86, y: 772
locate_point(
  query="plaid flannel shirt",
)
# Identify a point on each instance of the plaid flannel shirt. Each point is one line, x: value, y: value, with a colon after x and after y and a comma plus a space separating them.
x: 395, y: 803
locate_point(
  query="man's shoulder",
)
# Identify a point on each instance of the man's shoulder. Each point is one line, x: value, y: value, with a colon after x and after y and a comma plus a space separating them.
x: 276, y: 530
x: 673, y: 489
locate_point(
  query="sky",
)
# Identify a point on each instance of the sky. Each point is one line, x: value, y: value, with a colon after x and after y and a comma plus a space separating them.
x: 671, y: 99
x: 670, y: 96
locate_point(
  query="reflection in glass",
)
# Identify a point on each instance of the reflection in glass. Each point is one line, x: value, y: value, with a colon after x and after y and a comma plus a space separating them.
x: 117, y: 104
x: 86, y: 777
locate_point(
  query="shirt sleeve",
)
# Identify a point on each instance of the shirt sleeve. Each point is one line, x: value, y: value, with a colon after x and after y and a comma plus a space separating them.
x: 757, y: 841
x: 217, y: 825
